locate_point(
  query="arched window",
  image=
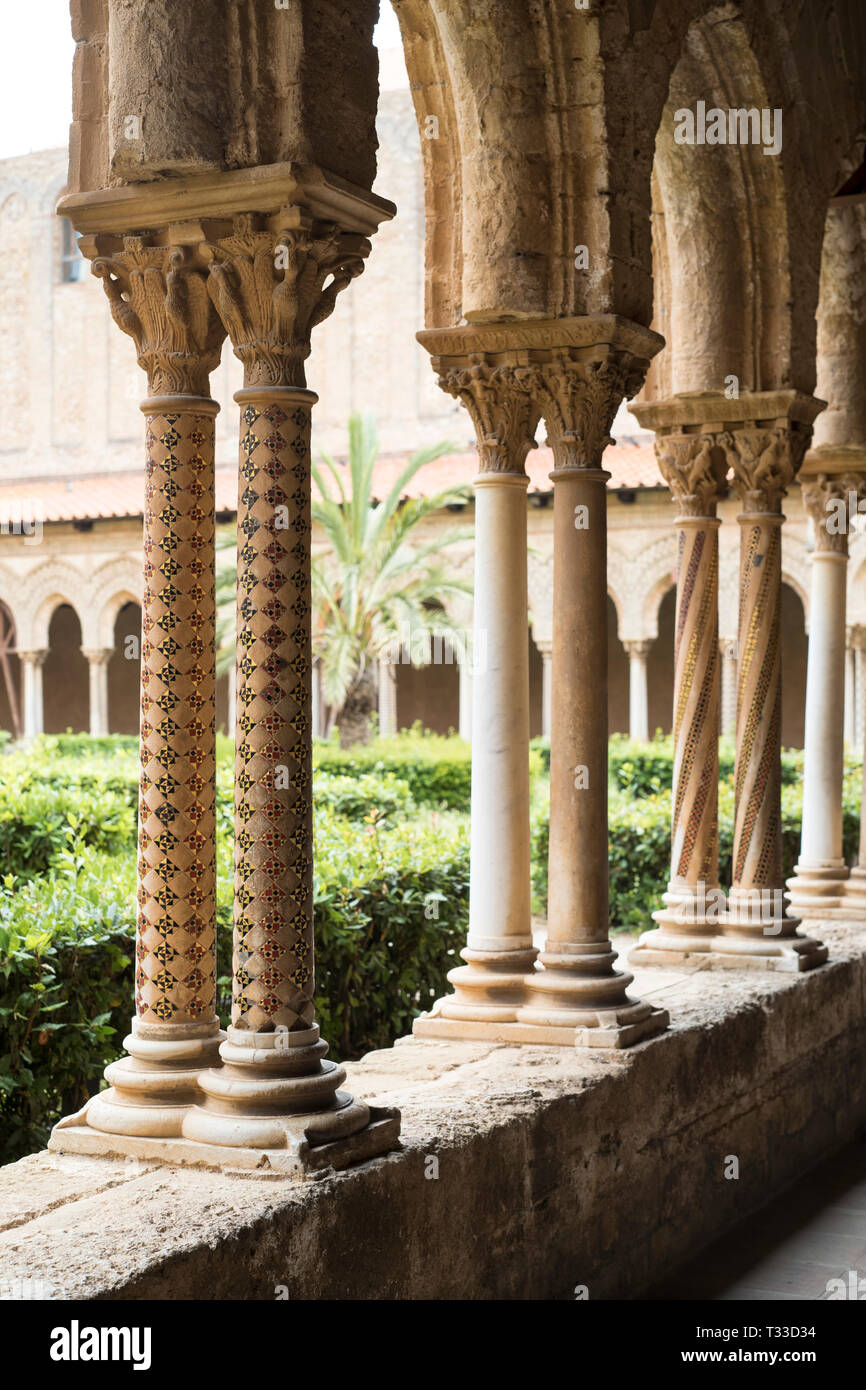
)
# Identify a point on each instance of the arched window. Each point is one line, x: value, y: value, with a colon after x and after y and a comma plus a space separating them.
x: 73, y: 266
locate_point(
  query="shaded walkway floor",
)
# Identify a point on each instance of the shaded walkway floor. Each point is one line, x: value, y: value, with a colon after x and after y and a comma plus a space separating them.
x: 811, y: 1234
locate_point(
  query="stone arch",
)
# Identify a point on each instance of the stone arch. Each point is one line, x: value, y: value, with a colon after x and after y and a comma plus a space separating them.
x: 51, y: 585
x: 647, y: 576
x: 114, y: 584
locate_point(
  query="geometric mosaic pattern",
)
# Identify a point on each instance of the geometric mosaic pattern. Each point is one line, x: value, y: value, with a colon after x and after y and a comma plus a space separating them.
x: 273, y: 923
x: 175, y: 943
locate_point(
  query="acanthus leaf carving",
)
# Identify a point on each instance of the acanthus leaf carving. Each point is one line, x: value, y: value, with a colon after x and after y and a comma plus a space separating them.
x: 500, y: 400
x: 271, y: 289
x: 162, y: 303
x: 580, y: 399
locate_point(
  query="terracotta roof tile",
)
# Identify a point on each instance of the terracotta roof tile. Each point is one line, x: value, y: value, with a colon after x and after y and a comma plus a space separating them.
x: 116, y: 495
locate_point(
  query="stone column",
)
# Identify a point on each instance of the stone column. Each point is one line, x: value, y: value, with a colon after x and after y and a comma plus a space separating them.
x: 858, y: 642
x: 275, y: 1098
x: 817, y: 888
x: 387, y: 698
x: 755, y: 929
x: 32, y: 700
x: 98, y: 659
x: 499, y: 950
x: 849, y: 693
x: 637, y: 650
x: 694, y: 467
x: 160, y: 299
x: 579, y: 996
x: 465, y: 678
x: 546, y: 649
x: 728, y: 654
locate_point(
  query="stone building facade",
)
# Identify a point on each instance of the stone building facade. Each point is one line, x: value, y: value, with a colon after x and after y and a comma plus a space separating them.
x: 71, y: 592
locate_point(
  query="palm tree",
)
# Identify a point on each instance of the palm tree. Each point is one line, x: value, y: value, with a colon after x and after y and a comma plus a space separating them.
x: 374, y: 582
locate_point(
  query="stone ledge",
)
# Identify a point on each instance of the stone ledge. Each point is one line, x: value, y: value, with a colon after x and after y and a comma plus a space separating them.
x: 555, y: 1167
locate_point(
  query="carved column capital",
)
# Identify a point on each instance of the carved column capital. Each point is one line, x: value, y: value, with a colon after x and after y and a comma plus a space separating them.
x: 160, y: 299
x: 831, y: 501
x: 694, y: 466
x: 765, y: 460
x: 271, y: 288
x: 500, y: 399
x: 637, y: 646
x: 33, y: 657
x: 580, y: 398
x: 97, y: 656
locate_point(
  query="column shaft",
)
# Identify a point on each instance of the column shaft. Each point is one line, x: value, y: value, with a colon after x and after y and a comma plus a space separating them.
x: 387, y: 697
x: 755, y: 929
x: 693, y: 901
x: 579, y: 990
x: 638, y: 691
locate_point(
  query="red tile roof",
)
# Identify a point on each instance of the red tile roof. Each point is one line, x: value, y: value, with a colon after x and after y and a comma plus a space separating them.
x: 115, y: 495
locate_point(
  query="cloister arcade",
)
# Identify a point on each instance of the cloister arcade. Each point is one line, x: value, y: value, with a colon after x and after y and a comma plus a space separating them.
x: 579, y: 254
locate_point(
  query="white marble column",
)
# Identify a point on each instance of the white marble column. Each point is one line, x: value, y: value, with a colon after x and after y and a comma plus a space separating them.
x: 97, y: 660
x: 499, y: 950
x: 466, y: 683
x: 817, y: 888
x: 638, y: 650
x: 32, y: 700
x: 387, y: 676
x: 728, y: 653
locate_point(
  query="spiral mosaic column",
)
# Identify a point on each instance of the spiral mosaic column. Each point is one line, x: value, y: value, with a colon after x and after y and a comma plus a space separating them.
x: 694, y: 467
x: 755, y: 929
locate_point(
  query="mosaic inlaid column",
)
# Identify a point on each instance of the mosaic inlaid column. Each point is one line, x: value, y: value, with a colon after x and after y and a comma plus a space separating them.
x: 579, y: 995
x: 755, y: 929
x: 163, y: 305
x: 275, y: 1091
x: 489, y: 988
x: 817, y: 888
x: 694, y: 468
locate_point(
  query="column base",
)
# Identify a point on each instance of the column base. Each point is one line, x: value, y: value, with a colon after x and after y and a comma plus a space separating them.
x: 575, y: 999
x: 684, y: 929
x: 854, y: 896
x: 273, y: 1108
x: 490, y: 987
x: 752, y: 940
x: 818, y: 890
x: 304, y: 1154
x: 153, y: 1088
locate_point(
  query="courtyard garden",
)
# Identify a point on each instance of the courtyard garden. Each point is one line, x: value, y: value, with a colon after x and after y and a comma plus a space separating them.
x: 391, y: 891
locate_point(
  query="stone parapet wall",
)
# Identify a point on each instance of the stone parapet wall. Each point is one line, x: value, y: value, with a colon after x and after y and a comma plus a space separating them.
x: 524, y: 1172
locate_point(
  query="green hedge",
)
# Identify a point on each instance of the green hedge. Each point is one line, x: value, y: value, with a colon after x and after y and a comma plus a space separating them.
x: 390, y: 908
x: 438, y: 770
x: 639, y: 846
